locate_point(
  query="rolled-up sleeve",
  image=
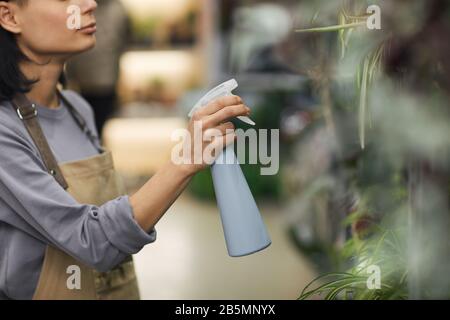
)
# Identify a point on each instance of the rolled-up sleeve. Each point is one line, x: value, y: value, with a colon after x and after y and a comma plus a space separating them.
x: 99, y: 236
x: 116, y: 218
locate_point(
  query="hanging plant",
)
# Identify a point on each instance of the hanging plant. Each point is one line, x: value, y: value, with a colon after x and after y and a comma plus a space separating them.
x: 368, y: 67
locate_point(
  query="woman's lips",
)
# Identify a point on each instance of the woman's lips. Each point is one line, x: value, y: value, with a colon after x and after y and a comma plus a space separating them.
x: 89, y: 29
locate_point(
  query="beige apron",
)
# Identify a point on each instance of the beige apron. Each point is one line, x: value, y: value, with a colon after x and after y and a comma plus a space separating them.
x: 90, y: 181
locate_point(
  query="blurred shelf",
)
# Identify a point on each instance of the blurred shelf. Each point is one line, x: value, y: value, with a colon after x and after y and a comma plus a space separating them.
x: 141, y: 146
x: 268, y: 81
x: 158, y: 75
x: 169, y: 47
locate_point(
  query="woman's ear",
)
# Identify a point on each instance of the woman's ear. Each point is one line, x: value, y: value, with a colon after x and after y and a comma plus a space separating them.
x: 8, y: 17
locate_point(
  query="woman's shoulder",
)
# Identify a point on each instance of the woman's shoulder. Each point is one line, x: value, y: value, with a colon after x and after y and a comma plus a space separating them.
x: 9, y: 120
x: 7, y: 112
x: 6, y: 109
x: 13, y: 133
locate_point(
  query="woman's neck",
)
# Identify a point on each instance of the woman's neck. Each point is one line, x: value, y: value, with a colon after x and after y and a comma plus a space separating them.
x: 43, y: 92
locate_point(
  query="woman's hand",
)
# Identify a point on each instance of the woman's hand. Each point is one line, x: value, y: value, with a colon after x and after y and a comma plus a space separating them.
x: 209, y: 132
x: 151, y: 201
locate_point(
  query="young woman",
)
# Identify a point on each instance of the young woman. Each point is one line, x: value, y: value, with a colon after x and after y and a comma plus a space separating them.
x: 67, y: 230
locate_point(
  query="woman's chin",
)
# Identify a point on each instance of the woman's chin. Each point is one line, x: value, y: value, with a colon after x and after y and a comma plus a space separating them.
x: 86, y: 45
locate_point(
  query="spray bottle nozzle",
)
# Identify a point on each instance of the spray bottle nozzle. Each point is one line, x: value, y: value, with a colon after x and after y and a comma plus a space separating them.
x: 222, y: 90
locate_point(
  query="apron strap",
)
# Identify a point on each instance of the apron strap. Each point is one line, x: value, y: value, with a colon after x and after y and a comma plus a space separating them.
x: 28, y: 114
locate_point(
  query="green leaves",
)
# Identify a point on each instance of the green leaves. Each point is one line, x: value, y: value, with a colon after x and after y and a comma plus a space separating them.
x: 332, y: 28
x: 386, y: 251
x: 368, y: 68
x: 363, y: 102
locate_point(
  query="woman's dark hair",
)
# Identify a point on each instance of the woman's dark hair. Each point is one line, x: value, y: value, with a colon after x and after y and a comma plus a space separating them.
x: 12, y: 80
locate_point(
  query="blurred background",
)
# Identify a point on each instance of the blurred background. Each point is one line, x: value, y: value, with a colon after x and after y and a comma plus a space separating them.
x: 364, y: 140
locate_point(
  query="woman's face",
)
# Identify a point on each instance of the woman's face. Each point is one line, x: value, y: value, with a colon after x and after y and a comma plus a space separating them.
x: 50, y: 27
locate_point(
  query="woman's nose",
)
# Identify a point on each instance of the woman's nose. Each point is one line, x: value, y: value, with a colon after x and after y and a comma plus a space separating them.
x: 88, y: 6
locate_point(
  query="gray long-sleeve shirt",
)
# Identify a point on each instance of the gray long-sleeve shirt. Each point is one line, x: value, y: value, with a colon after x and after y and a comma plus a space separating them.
x: 36, y: 211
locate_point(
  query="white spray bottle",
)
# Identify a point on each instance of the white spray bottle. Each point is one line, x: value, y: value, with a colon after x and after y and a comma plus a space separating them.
x: 244, y: 229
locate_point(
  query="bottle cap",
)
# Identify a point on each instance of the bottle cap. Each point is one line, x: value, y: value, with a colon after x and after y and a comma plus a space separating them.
x: 222, y: 90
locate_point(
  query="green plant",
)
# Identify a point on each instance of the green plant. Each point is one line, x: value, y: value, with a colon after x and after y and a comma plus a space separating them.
x: 398, y: 174
x: 352, y: 17
x: 385, y: 249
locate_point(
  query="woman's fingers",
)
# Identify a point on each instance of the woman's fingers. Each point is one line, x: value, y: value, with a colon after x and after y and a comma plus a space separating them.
x: 229, y: 138
x: 218, y: 104
x: 221, y: 130
x: 217, y: 132
x: 224, y: 114
x: 218, y: 144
